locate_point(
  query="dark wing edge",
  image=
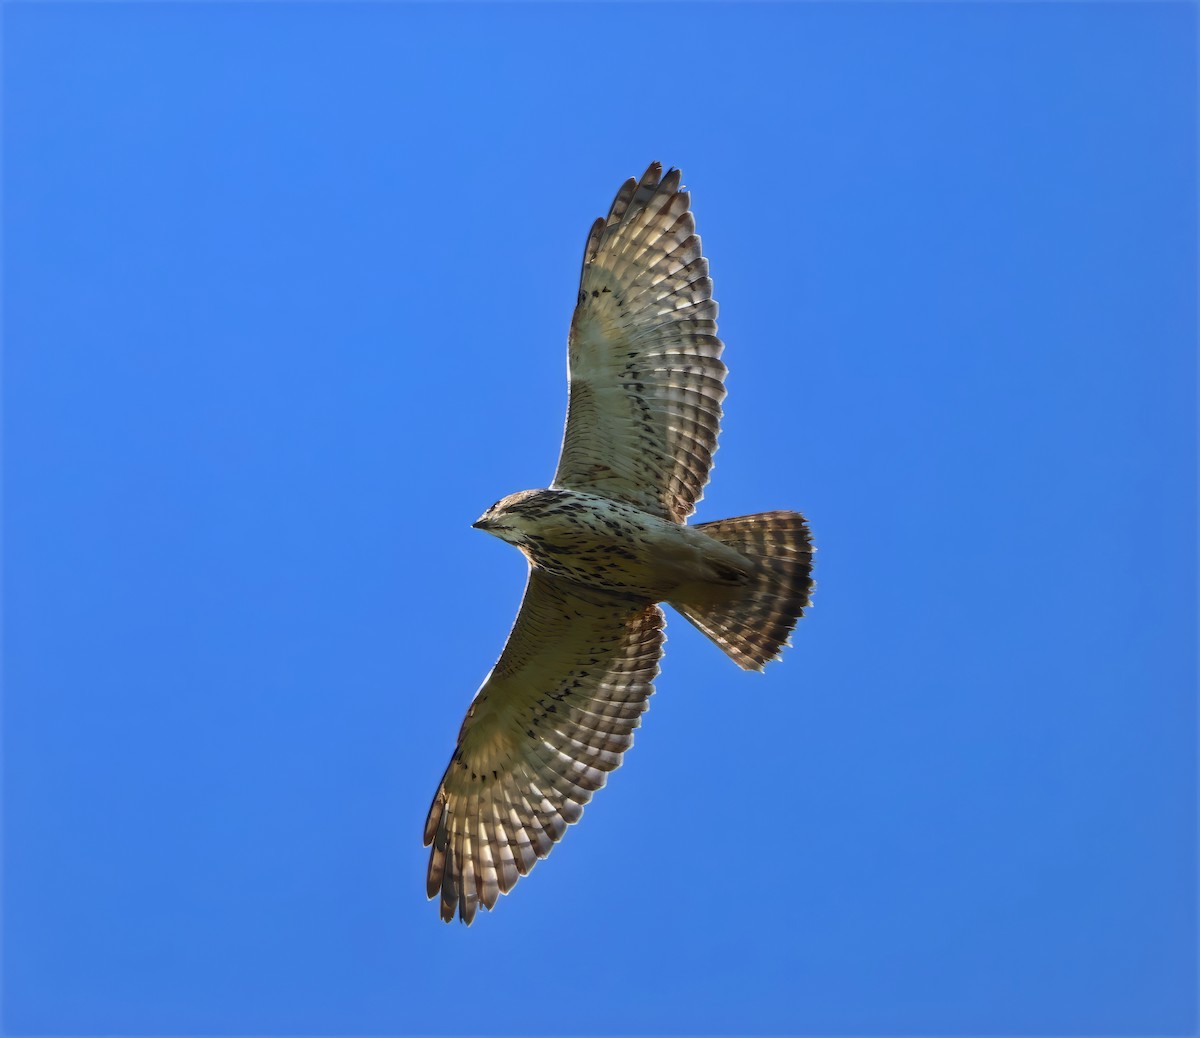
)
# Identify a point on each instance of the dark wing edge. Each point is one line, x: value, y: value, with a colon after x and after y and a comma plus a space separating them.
x: 551, y: 720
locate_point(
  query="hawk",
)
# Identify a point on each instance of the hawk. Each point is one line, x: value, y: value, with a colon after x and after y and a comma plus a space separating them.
x: 607, y: 542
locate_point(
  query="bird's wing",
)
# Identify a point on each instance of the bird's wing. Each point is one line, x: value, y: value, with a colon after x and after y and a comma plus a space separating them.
x: 646, y: 376
x: 551, y: 720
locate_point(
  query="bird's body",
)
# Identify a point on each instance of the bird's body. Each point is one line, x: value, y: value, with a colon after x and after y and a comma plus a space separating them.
x: 607, y: 542
x: 611, y: 546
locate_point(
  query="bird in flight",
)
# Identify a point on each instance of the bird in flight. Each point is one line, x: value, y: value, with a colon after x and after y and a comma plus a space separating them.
x: 606, y: 543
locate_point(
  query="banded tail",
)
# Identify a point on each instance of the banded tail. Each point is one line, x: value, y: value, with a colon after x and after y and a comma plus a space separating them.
x: 751, y: 623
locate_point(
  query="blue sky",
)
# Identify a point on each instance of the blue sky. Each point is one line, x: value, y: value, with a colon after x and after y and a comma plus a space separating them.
x: 285, y: 296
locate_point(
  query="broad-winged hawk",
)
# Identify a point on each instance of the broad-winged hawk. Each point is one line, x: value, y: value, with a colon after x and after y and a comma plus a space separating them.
x: 607, y: 542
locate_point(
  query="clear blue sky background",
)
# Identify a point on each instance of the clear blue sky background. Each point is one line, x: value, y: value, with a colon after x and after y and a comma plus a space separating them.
x: 286, y: 291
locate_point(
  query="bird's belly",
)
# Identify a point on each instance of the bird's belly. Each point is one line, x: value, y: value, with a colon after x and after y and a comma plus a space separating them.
x: 616, y: 548
x: 612, y: 567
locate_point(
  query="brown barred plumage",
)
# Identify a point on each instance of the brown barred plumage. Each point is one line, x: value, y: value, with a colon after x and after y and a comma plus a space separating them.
x: 606, y: 542
x: 753, y: 626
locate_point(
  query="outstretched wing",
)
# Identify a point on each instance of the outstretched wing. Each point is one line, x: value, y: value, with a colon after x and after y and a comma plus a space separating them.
x: 551, y: 720
x: 646, y: 377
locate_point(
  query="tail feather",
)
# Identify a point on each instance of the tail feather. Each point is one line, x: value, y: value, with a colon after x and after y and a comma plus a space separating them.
x: 751, y: 623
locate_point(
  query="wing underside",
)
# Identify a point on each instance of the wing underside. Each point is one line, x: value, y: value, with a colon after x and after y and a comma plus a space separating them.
x: 553, y: 718
x: 646, y: 379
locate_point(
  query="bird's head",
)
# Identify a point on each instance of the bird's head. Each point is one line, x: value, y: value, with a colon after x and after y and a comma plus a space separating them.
x: 510, y: 519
